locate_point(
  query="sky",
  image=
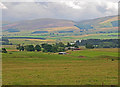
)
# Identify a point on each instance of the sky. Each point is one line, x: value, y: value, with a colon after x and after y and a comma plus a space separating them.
x: 75, y: 10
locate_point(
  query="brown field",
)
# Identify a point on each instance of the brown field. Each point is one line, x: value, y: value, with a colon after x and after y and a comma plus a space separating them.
x: 40, y: 40
x: 61, y: 28
x: 83, y: 35
x: 12, y: 50
x: 33, y: 39
x: 99, y: 29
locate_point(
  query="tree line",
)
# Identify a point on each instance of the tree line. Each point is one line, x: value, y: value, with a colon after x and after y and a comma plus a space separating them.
x: 61, y: 47
x: 99, y: 43
x: 45, y: 47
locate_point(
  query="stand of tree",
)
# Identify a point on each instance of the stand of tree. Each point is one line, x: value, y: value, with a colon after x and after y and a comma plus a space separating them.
x: 61, y: 47
x: 58, y: 47
x: 45, y: 47
x: 4, y: 50
x: 99, y: 43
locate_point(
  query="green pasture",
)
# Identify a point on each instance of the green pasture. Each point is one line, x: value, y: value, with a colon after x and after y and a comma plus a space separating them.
x: 64, y: 39
x: 84, y: 67
x: 60, y: 38
x: 94, y: 54
x: 71, y: 36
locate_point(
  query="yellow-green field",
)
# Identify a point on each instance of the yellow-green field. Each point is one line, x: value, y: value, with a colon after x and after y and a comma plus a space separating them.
x: 30, y: 41
x: 84, y: 67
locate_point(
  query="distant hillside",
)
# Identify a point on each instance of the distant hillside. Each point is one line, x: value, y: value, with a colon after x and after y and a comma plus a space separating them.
x: 104, y: 22
x: 47, y: 25
x: 39, y: 24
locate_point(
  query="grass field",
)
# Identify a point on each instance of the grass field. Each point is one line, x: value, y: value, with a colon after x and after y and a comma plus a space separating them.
x: 61, y: 38
x: 30, y: 41
x: 84, y: 67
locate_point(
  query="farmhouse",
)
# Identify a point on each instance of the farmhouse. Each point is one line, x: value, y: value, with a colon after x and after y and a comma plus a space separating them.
x: 63, y: 53
x: 72, y: 47
x: 72, y: 43
x: 69, y: 48
x: 78, y: 41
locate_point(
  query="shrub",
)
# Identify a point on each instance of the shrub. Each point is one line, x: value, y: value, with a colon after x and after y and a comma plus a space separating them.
x: 29, y: 48
x: 4, y: 50
x: 38, y: 48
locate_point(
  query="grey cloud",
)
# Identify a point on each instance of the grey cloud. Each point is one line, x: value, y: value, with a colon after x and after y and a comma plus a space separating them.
x: 72, y: 11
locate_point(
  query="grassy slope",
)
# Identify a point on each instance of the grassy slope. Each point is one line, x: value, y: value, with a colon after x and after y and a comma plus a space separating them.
x: 36, y: 68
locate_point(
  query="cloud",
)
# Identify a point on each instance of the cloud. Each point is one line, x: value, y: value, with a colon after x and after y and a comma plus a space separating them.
x: 71, y: 10
x: 2, y: 6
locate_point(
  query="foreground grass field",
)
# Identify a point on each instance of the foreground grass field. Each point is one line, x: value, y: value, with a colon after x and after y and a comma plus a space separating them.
x: 84, y: 67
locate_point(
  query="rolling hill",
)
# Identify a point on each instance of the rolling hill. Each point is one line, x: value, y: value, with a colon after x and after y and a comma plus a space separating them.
x: 39, y: 24
x: 104, y: 22
x: 47, y: 25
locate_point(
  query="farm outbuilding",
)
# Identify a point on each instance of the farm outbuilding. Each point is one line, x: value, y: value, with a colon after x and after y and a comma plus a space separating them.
x: 62, y: 53
x: 77, y: 49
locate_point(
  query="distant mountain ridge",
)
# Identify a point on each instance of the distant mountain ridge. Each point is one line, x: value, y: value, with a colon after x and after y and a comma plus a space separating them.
x: 39, y: 24
x: 51, y: 25
x: 103, y: 22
